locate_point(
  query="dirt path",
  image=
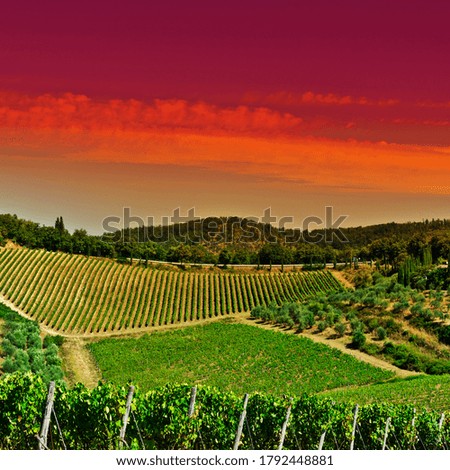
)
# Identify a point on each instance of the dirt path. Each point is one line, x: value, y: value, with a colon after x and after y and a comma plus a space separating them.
x: 80, y: 367
x: 334, y: 343
x: 9, y: 304
x: 78, y: 363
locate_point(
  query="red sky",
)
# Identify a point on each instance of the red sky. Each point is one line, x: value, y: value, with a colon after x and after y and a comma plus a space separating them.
x: 226, y: 107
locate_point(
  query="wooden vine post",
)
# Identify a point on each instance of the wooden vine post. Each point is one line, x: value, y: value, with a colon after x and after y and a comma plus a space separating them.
x: 126, y: 416
x: 322, y: 440
x: 386, y: 431
x: 286, y: 422
x: 355, y: 418
x: 47, y: 417
x: 192, y: 402
x: 241, y: 424
x: 441, y: 421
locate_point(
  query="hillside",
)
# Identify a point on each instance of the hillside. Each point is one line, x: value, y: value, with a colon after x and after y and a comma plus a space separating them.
x: 74, y: 294
x: 231, y: 356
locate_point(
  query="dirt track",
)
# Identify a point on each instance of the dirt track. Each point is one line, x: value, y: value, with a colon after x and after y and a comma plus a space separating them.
x: 78, y: 363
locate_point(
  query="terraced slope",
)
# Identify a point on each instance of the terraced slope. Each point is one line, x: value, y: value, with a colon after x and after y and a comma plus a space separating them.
x: 77, y: 295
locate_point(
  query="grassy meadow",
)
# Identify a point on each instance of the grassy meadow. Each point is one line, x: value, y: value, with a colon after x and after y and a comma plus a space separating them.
x: 231, y: 356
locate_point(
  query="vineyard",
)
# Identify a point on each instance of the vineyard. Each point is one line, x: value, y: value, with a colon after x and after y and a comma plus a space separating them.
x: 74, y: 294
x: 181, y: 417
x: 232, y: 357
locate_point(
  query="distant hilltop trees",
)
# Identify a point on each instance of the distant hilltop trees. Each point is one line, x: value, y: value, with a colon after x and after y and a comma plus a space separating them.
x: 231, y: 240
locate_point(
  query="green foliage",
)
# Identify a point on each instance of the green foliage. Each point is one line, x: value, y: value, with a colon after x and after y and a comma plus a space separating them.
x: 231, y: 356
x: 91, y: 419
x: 444, y: 334
x: 340, y: 329
x: 432, y: 392
x: 363, y: 278
x: 22, y: 348
x: 159, y: 296
x: 381, y: 333
x: 58, y: 340
x: 358, y: 339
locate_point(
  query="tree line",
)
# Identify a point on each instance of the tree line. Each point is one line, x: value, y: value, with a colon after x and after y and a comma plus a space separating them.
x: 388, y: 245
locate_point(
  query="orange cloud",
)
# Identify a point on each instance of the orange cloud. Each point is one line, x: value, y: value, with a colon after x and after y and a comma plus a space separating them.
x: 241, y: 140
x: 284, y: 98
x: 71, y: 111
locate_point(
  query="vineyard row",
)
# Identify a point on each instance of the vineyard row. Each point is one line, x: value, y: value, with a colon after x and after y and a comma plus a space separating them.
x: 169, y: 418
x: 79, y: 295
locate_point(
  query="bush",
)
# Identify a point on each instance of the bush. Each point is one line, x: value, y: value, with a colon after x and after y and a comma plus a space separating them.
x: 37, y: 360
x: 34, y: 340
x: 358, y: 339
x: 59, y: 340
x: 256, y: 312
x: 321, y: 326
x: 417, y: 309
x: 363, y: 278
x: 18, y: 338
x: 400, y: 306
x: 330, y: 318
x: 443, y: 334
x: 8, y: 348
x: 340, y: 329
x: 356, y: 325
x: 373, y: 324
x: 403, y: 357
x: 370, y: 348
x: 438, y: 367
x: 381, y: 333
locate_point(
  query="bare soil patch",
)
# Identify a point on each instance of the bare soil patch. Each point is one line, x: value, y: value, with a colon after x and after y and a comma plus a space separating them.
x: 78, y: 363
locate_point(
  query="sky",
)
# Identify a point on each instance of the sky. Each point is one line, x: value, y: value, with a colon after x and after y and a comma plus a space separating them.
x: 227, y: 108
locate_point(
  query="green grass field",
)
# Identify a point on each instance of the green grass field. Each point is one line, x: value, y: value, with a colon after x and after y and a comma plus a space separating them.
x: 432, y: 392
x: 231, y: 356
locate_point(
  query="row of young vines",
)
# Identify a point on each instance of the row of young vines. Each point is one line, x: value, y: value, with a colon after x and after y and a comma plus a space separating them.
x: 159, y: 419
x: 80, y: 295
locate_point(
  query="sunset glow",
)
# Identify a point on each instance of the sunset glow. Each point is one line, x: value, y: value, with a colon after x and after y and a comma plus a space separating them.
x: 230, y: 109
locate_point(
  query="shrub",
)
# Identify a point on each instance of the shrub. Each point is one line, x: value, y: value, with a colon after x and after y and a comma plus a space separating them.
x: 51, y: 356
x: 309, y: 318
x: 340, y: 329
x: 18, y: 338
x: 34, y: 340
x: 8, y: 348
x: 370, y: 348
x: 363, y: 278
x: 443, y: 334
x: 356, y: 325
x: 417, y: 309
x: 381, y: 333
x: 403, y: 357
x: 256, y: 312
x: 57, y: 339
x: 400, y: 306
x: 330, y: 318
x: 37, y: 360
x: 373, y: 324
x: 358, y: 339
